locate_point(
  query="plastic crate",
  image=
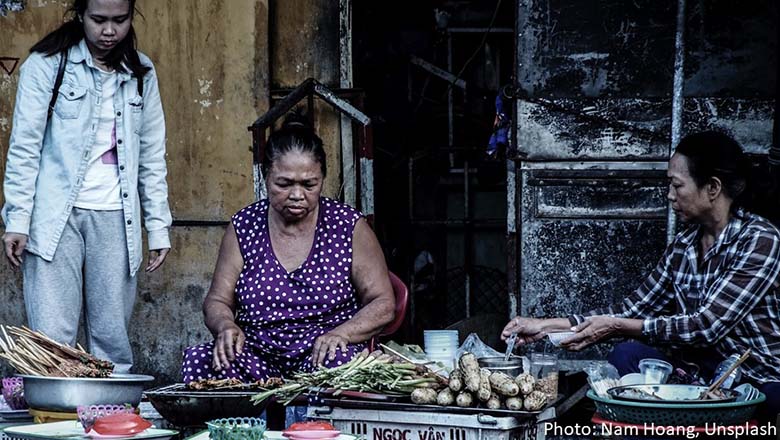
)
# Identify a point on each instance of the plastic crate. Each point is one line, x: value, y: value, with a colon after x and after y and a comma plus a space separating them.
x: 370, y: 424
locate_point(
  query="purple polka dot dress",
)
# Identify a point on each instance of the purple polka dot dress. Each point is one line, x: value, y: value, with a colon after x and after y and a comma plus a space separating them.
x: 283, y: 313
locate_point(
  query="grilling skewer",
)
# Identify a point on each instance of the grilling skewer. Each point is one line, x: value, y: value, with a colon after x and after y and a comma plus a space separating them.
x: 33, y: 353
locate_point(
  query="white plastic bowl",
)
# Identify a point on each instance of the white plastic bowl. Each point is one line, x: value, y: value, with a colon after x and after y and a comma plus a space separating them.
x: 632, y: 379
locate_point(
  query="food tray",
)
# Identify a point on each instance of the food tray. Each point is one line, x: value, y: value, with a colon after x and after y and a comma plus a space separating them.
x: 15, y: 414
x: 676, y: 414
x: 72, y: 430
x: 407, y: 407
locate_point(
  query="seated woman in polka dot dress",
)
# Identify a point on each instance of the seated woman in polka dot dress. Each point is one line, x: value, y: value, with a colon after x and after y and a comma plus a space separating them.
x: 300, y: 281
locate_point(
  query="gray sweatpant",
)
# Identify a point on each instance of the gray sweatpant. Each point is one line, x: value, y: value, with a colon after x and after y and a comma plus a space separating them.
x: 89, y: 269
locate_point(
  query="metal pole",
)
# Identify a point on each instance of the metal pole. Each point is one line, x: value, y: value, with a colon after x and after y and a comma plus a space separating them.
x: 411, y: 188
x: 345, y: 82
x: 513, y: 176
x: 450, y: 116
x: 774, y: 151
x: 466, y: 237
x: 258, y: 152
x: 678, y: 102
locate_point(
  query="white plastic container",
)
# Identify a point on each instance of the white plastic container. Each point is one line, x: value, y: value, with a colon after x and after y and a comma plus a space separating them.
x: 441, y: 346
x: 655, y: 371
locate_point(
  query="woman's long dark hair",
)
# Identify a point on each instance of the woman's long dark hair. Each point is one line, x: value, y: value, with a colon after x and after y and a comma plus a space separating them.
x: 72, y: 32
x: 715, y: 154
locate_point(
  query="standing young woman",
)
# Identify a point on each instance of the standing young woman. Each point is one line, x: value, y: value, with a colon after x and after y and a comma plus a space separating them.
x: 86, y: 158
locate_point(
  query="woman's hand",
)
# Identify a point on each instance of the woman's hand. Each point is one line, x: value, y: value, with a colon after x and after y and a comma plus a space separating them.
x: 156, y: 258
x: 528, y: 330
x: 592, y: 330
x: 14, y: 247
x: 228, y: 343
x: 325, y: 347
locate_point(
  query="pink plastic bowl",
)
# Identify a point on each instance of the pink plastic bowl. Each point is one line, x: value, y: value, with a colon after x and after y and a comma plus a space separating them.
x: 88, y: 415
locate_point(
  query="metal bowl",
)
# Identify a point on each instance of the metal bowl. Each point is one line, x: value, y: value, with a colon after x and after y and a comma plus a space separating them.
x: 513, y: 366
x: 65, y: 394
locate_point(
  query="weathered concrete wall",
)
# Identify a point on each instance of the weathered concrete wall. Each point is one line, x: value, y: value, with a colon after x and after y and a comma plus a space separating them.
x: 587, y: 240
x: 595, y: 85
x: 634, y: 129
x: 212, y: 63
x: 207, y: 57
x: 304, y: 41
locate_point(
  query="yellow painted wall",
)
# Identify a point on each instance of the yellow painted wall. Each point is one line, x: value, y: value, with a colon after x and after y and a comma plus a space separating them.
x: 205, y: 52
x: 212, y: 59
x: 212, y: 71
x: 212, y: 63
x: 305, y: 41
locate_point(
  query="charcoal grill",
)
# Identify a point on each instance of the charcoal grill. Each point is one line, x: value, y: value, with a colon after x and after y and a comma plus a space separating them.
x: 183, y: 407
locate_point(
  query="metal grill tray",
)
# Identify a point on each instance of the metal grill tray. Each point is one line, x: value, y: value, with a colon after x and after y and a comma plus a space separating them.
x: 407, y: 406
x: 183, y: 407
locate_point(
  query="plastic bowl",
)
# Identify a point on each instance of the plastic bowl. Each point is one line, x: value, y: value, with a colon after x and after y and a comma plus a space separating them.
x: 655, y: 370
x: 441, y: 351
x: 13, y: 393
x: 88, y: 415
x: 448, y: 346
x: 632, y: 379
x: 236, y: 428
x: 440, y: 336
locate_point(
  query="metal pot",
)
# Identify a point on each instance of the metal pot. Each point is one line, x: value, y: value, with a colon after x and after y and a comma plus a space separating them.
x: 513, y: 366
x: 65, y: 394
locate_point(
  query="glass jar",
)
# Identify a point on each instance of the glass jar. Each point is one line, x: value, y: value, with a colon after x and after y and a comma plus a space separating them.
x: 544, y: 368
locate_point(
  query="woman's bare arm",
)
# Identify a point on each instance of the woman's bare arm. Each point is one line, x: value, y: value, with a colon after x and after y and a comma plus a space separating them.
x: 372, y: 284
x: 220, y: 304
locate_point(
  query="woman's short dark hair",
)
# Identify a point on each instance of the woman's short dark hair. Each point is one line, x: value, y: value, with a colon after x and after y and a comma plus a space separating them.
x: 295, y: 135
x: 715, y: 154
x: 72, y: 32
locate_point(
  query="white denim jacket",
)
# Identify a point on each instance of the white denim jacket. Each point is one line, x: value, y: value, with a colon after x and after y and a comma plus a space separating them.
x: 47, y: 161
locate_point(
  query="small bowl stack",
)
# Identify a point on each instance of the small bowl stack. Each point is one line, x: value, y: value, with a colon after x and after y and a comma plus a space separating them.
x: 441, y: 346
x: 13, y: 393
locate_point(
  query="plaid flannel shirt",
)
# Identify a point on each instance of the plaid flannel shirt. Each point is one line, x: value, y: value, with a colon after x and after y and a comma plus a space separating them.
x: 729, y: 300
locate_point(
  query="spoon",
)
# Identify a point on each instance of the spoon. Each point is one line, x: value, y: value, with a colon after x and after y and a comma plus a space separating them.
x: 510, y: 346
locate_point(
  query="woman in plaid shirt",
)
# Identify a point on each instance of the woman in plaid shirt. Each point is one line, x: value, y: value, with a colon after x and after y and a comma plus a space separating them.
x: 716, y: 290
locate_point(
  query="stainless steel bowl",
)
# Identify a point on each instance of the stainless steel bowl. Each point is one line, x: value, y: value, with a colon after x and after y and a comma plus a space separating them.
x: 67, y: 393
x: 513, y: 366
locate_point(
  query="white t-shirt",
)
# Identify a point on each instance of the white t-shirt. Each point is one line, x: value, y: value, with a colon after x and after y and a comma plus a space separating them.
x: 100, y: 190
